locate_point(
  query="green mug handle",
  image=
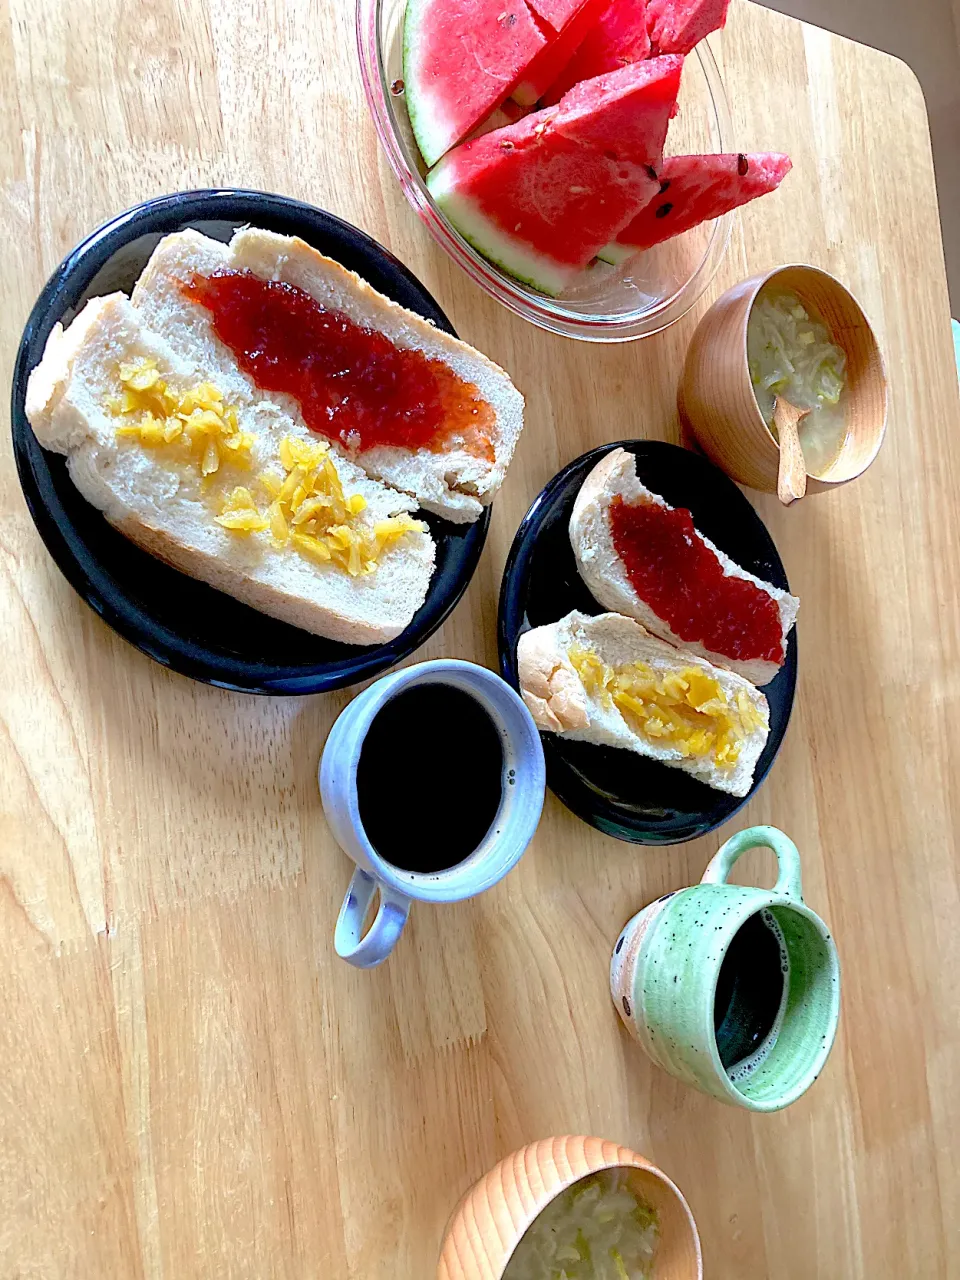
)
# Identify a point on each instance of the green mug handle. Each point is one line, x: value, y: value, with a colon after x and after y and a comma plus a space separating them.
x: 788, y: 859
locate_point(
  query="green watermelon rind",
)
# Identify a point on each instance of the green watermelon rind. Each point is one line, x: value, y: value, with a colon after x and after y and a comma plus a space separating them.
x: 616, y: 254
x: 505, y: 251
x: 424, y: 116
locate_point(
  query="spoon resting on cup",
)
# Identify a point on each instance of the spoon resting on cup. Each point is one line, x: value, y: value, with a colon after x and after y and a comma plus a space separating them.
x: 792, y: 475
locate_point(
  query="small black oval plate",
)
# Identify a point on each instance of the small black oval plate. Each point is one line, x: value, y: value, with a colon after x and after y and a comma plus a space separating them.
x: 617, y: 792
x: 182, y: 623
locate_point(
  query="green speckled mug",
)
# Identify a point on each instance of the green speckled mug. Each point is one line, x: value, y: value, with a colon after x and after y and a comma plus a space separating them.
x: 733, y: 990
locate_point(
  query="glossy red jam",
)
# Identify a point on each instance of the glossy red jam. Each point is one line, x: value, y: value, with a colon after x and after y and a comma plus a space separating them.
x: 352, y: 384
x: 682, y: 581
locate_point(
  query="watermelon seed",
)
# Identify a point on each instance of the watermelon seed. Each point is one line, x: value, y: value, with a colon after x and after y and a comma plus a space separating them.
x: 506, y: 144
x: 396, y: 87
x: 665, y: 185
x: 652, y: 172
x: 743, y: 165
x: 664, y: 210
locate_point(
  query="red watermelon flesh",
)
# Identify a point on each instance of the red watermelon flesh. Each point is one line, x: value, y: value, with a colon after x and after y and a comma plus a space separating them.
x: 461, y: 58
x: 540, y: 197
x: 636, y: 100
x: 620, y: 36
x: 554, y: 13
x: 675, y: 26
x: 694, y: 189
x: 551, y: 60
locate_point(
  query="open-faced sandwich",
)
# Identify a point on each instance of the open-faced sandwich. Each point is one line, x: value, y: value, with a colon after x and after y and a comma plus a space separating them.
x: 671, y: 672
x: 607, y: 680
x: 265, y: 421
x: 645, y: 559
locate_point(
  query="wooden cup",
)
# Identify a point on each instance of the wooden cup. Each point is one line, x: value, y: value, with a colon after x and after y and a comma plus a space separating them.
x: 716, y: 400
x: 490, y: 1219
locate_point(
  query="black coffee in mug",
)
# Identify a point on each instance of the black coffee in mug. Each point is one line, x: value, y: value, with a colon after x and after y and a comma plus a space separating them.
x: 747, y: 1009
x: 430, y: 778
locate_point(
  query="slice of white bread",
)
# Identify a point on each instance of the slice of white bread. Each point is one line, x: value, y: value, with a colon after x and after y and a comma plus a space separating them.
x: 454, y: 483
x: 164, y: 505
x: 560, y: 703
x: 605, y: 573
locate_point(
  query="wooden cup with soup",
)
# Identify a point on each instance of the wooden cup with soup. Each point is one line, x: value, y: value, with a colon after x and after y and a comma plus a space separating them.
x: 720, y: 405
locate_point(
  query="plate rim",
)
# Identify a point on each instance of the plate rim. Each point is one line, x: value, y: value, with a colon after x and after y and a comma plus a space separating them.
x: 153, y: 638
x: 510, y: 609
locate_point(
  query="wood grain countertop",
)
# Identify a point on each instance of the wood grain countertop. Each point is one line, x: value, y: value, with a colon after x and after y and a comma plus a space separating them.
x: 192, y: 1085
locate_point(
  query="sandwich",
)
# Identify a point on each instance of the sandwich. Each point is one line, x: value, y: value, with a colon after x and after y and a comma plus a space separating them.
x: 608, y: 681
x: 168, y: 431
x: 444, y: 420
x: 228, y: 490
x: 643, y: 558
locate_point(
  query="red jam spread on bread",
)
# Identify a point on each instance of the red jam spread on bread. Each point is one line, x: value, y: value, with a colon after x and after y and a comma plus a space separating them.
x: 352, y: 384
x: 679, y: 577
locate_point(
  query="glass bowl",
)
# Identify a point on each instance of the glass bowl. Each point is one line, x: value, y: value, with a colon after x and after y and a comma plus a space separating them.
x: 611, y: 304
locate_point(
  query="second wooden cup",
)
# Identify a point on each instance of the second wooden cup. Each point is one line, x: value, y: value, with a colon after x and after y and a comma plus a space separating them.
x: 490, y: 1220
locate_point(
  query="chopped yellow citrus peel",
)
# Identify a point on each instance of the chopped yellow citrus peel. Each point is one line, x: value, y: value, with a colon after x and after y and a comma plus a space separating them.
x: 686, y: 709
x: 239, y: 513
x: 310, y: 511
x: 197, y: 422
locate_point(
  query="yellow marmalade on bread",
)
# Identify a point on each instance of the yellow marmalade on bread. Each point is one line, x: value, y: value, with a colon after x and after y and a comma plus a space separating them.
x: 310, y: 511
x: 202, y: 427
x: 306, y: 507
x: 686, y: 709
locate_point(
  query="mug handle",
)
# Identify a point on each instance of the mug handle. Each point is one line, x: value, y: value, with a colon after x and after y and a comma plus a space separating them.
x: 383, y: 934
x: 788, y: 859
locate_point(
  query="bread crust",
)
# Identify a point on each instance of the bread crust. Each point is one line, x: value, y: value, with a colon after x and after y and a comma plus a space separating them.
x: 606, y: 577
x: 267, y: 599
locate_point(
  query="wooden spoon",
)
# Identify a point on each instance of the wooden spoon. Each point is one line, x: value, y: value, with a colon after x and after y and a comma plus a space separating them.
x: 792, y: 476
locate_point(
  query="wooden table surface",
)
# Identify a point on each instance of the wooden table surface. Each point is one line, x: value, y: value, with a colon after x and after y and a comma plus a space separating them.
x: 191, y: 1084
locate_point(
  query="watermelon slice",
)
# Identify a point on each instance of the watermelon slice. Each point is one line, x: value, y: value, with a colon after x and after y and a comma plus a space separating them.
x: 675, y: 26
x: 540, y: 197
x: 550, y: 61
x: 619, y: 36
x: 693, y: 189
x: 461, y: 58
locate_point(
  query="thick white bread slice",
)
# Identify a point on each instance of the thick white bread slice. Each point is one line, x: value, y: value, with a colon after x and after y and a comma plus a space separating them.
x: 605, y: 574
x: 559, y: 703
x: 453, y: 483
x: 160, y: 504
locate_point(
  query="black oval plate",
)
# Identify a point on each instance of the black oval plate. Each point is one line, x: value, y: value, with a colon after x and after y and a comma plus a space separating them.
x: 617, y: 792
x: 183, y: 623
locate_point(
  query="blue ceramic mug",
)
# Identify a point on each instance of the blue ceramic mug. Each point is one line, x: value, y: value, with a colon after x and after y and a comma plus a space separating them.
x: 522, y: 787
